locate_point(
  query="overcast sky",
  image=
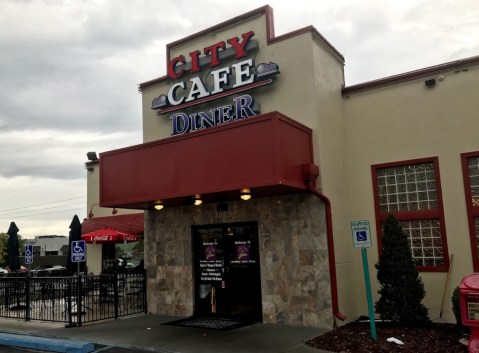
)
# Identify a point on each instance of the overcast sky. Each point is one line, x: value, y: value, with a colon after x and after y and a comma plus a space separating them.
x: 69, y: 71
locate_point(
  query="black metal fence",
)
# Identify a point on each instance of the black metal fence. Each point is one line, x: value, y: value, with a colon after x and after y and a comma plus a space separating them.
x: 74, y: 299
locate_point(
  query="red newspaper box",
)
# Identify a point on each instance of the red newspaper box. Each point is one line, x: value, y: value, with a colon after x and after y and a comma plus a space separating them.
x: 469, y: 298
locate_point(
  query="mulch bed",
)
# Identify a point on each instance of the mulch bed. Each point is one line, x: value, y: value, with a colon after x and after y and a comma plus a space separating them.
x: 355, y: 337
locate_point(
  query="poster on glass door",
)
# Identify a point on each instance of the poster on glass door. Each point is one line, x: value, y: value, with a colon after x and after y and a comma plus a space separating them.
x: 210, y: 266
x: 242, y: 253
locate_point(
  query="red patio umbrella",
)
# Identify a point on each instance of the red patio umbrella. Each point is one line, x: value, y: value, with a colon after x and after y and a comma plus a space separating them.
x: 109, y: 236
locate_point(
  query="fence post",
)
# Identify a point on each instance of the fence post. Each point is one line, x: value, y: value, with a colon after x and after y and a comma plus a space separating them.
x: 27, y: 297
x: 144, y: 291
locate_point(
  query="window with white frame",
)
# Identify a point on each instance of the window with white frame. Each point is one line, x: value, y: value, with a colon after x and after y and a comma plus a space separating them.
x: 410, y: 191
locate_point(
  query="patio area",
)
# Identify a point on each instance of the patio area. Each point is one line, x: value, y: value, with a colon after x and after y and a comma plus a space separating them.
x: 58, y: 299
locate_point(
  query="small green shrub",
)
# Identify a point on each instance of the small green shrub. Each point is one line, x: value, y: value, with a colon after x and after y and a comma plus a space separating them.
x: 402, y: 290
x: 456, y: 306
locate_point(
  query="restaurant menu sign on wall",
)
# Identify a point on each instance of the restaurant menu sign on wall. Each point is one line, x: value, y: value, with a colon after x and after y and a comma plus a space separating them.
x: 230, y: 71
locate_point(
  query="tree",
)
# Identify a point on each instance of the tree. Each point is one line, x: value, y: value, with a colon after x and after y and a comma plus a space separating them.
x: 3, y: 249
x: 402, y: 290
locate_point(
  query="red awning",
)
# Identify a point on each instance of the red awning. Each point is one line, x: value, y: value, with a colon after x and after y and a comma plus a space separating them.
x: 263, y: 153
x: 128, y: 223
x: 109, y: 236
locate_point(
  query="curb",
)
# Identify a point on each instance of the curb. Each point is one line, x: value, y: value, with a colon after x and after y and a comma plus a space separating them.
x: 46, y: 344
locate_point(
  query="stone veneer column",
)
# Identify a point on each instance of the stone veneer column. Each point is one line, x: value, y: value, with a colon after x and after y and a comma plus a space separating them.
x: 295, y: 280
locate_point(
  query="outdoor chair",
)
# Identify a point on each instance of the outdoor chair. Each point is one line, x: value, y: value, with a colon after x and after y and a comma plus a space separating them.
x: 121, y: 290
x: 47, y: 294
x: 107, y: 291
x: 70, y: 296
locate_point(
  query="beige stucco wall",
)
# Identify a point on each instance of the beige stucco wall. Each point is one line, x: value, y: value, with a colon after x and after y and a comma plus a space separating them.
x: 293, y: 93
x: 408, y: 121
x: 94, y: 251
x: 93, y: 259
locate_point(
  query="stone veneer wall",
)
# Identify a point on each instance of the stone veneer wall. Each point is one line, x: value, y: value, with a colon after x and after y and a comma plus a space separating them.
x: 295, y: 280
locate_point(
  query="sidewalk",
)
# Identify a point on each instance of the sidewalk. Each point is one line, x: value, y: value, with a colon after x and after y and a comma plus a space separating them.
x: 147, y: 332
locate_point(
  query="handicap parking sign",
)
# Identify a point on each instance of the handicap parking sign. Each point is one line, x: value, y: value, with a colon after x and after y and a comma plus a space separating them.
x: 78, y: 251
x: 28, y: 254
x: 361, y: 234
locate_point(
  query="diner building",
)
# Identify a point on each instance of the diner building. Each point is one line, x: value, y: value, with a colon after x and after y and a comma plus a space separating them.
x: 258, y: 161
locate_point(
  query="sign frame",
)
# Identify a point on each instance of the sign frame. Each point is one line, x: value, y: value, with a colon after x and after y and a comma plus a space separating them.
x: 361, y: 234
x: 78, y: 255
x: 28, y: 254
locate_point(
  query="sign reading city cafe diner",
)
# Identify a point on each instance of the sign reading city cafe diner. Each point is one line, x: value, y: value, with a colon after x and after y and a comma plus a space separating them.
x: 221, y: 81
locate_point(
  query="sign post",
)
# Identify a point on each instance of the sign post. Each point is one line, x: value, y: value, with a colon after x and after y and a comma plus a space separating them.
x: 362, y: 239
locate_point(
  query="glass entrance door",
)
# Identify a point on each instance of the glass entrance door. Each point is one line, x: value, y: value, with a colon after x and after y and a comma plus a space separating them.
x: 227, y: 270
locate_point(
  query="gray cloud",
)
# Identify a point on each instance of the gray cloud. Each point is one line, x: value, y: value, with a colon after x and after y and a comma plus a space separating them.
x: 67, y: 72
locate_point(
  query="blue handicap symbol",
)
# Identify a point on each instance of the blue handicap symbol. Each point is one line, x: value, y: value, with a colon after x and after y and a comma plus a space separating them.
x: 78, y: 247
x: 361, y: 235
